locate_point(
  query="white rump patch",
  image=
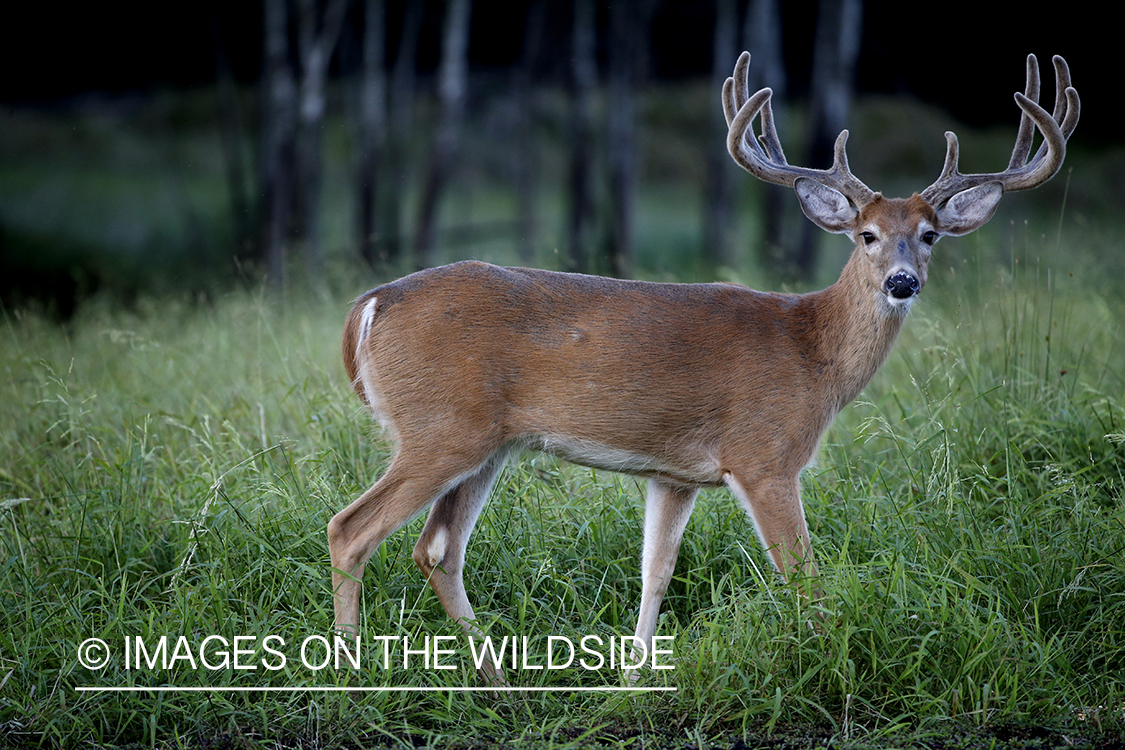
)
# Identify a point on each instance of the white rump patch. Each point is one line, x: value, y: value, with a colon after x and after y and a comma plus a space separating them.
x: 365, y: 370
x: 365, y: 322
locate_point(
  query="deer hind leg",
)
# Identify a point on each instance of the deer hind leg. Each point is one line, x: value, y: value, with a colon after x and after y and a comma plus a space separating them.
x: 440, y: 550
x: 413, y: 480
x: 779, y: 517
x: 667, y: 509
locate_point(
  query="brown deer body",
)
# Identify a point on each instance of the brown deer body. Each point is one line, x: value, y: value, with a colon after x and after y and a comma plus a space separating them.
x: 689, y: 385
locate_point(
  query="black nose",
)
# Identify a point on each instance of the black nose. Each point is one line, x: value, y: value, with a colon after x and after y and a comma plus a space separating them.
x: 902, y: 285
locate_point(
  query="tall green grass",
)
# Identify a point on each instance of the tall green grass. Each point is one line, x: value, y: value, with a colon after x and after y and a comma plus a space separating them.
x: 169, y: 470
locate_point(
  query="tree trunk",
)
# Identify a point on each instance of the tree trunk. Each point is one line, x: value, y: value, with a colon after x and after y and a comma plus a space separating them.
x: 524, y: 160
x: 276, y: 164
x: 837, y: 46
x: 230, y: 127
x: 762, y: 36
x: 583, y: 79
x: 717, y: 193
x: 317, y: 33
x: 628, y: 28
x: 452, y: 85
x: 372, y: 133
x: 398, y: 137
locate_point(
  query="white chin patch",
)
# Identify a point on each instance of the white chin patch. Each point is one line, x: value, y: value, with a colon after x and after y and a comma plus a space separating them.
x: 900, y: 305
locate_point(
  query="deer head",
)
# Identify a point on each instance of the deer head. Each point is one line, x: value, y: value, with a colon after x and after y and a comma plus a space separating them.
x: 894, y: 237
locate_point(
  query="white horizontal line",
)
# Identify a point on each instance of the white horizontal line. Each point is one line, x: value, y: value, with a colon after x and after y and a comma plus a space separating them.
x: 367, y: 689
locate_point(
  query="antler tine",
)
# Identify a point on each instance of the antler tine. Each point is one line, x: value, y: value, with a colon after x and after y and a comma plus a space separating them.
x: 1066, y: 112
x: 1067, y: 105
x: 952, y: 154
x: 768, y: 138
x: 1027, y: 128
x: 736, y: 89
x: 736, y: 92
x: 729, y: 108
x: 1021, y: 173
x: 763, y: 156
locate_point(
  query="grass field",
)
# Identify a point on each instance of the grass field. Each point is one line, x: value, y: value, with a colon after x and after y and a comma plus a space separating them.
x: 168, y: 470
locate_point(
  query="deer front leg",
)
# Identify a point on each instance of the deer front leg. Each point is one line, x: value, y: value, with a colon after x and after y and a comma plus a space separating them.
x: 667, y: 509
x: 775, y: 508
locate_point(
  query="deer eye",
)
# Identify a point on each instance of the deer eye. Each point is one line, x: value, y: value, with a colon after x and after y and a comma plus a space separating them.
x: 930, y: 237
x: 867, y: 237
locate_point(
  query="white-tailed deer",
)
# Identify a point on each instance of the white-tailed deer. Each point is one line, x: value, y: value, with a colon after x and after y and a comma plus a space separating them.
x: 689, y: 385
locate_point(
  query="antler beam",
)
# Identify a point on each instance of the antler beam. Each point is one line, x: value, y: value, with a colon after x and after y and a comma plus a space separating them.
x: 1021, y: 173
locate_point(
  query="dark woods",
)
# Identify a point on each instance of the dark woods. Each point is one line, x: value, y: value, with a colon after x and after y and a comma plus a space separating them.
x: 598, y: 54
x: 357, y: 130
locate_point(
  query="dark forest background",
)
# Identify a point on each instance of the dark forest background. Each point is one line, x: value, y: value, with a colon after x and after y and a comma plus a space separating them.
x: 295, y: 138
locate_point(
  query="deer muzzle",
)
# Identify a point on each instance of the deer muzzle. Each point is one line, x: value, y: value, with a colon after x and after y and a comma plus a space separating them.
x: 902, y: 285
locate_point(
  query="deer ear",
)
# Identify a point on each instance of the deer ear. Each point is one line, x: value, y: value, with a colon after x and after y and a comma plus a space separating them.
x: 970, y: 209
x: 825, y: 206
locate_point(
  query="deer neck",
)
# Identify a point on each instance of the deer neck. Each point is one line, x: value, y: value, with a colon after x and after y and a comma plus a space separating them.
x: 857, y: 330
